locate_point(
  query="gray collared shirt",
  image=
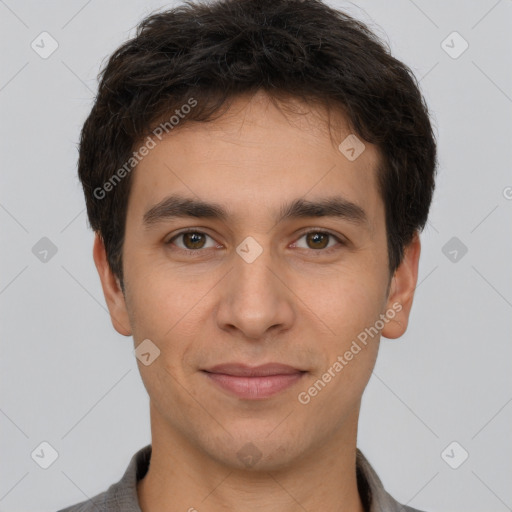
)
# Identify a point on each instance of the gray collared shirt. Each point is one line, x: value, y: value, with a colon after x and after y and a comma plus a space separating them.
x: 122, y: 496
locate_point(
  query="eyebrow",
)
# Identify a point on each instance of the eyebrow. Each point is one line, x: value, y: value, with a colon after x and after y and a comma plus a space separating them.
x: 176, y: 206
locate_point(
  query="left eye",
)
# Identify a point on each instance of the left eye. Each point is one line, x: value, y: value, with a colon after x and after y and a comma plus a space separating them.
x: 318, y: 240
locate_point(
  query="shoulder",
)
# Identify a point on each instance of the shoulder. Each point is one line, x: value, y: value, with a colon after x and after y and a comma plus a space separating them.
x: 95, y: 504
x: 122, y: 495
x: 384, y: 502
x: 374, y: 495
x: 410, y: 509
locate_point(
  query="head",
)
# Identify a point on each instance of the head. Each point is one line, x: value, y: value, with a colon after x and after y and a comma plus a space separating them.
x: 286, y: 122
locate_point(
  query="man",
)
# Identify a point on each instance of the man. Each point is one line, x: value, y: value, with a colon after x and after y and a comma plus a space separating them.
x: 257, y: 174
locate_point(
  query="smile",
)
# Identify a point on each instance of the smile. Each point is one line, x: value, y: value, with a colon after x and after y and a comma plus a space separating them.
x: 254, y: 383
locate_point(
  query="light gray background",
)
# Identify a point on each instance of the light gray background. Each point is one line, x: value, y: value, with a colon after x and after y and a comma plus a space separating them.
x: 69, y: 379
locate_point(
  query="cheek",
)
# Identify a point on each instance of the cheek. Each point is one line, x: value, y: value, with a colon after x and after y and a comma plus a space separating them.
x: 348, y: 310
x: 161, y: 301
x: 173, y: 398
x: 346, y: 304
x: 167, y: 309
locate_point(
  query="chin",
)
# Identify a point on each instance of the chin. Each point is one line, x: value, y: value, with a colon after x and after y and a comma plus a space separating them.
x: 259, y: 452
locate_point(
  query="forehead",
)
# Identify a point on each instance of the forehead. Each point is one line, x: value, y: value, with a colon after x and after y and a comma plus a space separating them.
x: 258, y: 155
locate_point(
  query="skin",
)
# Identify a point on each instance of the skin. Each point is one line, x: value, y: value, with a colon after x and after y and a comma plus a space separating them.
x: 294, y: 304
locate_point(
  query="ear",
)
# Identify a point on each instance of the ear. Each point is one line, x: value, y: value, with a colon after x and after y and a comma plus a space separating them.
x: 402, y: 289
x: 111, y: 289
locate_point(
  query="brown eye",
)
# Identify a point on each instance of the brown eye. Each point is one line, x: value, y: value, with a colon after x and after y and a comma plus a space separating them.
x: 317, y: 240
x: 191, y: 241
x: 321, y: 241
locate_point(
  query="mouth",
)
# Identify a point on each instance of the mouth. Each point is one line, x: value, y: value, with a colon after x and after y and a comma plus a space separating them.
x: 254, y: 383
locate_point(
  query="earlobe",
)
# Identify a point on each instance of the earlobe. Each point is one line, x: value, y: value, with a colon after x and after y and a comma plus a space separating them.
x: 111, y: 289
x: 402, y: 289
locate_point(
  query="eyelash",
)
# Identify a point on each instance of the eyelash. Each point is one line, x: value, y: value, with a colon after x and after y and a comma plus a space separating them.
x: 196, y: 252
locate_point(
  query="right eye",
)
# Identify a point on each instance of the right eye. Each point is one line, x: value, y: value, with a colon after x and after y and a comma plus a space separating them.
x: 191, y: 240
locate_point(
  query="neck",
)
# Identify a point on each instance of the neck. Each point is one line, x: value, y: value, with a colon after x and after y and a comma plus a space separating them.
x: 181, y: 477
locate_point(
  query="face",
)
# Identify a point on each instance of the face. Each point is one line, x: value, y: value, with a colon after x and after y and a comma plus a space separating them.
x: 242, y: 279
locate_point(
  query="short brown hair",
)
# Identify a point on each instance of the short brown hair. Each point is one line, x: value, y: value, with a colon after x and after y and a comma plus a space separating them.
x: 212, y: 52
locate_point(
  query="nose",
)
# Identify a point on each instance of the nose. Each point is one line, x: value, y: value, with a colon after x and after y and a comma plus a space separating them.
x: 255, y: 301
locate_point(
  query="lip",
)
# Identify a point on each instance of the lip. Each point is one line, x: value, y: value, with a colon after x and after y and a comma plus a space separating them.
x: 263, y: 370
x: 254, y: 383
